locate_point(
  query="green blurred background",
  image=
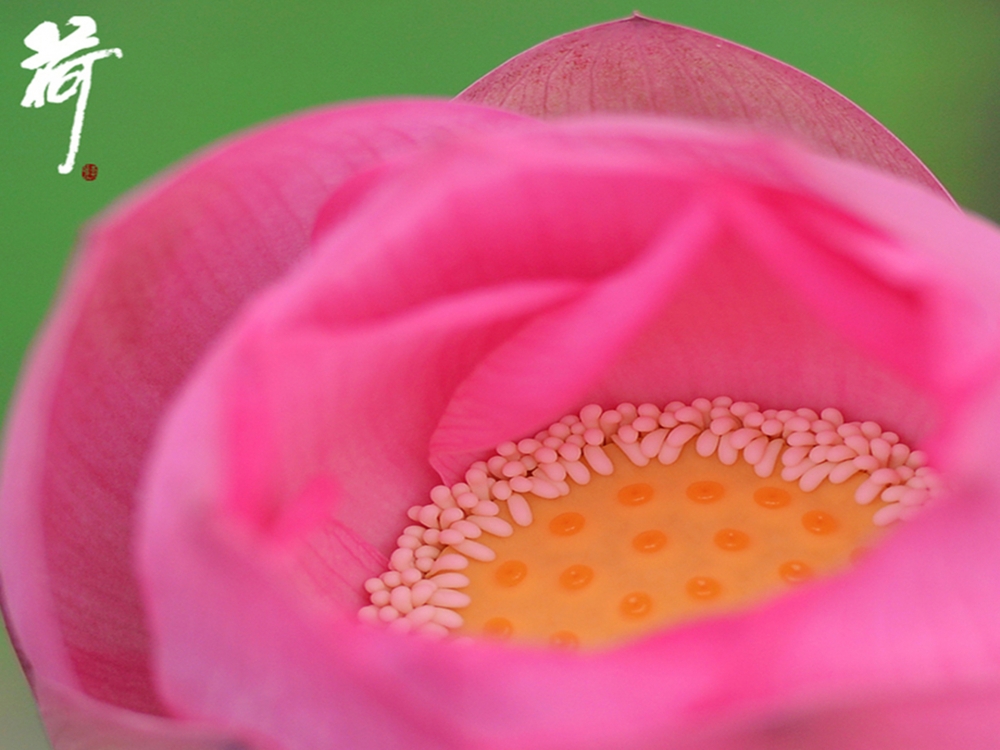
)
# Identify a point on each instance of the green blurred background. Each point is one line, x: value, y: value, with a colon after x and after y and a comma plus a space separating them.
x: 195, y: 71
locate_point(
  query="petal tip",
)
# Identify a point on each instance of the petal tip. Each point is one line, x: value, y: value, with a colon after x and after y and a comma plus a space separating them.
x: 643, y: 65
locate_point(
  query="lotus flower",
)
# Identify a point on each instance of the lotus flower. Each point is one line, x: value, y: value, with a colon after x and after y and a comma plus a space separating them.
x: 259, y: 360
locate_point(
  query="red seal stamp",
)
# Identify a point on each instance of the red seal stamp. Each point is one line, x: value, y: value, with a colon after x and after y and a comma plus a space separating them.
x: 89, y: 172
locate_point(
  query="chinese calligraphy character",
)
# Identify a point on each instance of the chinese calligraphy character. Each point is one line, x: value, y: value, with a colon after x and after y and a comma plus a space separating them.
x: 57, y: 78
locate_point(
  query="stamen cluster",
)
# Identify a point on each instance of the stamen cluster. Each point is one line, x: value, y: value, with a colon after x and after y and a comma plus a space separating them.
x: 420, y: 591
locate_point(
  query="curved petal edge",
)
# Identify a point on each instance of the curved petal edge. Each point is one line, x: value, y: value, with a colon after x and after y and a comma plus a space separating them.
x: 643, y: 65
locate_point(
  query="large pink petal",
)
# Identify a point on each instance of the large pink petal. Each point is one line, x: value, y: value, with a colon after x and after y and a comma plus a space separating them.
x: 260, y: 416
x: 153, y: 283
x: 77, y: 722
x: 377, y: 381
x: 540, y: 374
x: 259, y: 636
x: 796, y: 362
x: 959, y: 719
x: 640, y: 64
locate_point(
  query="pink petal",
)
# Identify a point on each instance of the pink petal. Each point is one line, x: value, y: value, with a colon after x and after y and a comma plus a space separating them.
x: 378, y: 381
x: 962, y: 252
x: 798, y: 361
x: 924, y: 720
x: 545, y: 370
x: 75, y: 721
x: 400, y: 306
x: 153, y: 283
x: 640, y: 64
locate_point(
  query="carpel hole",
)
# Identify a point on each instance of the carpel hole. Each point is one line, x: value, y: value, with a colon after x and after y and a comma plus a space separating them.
x: 703, y: 587
x: 705, y: 491
x: 732, y: 539
x: 795, y: 571
x: 511, y: 573
x: 772, y: 497
x: 566, y: 524
x: 635, y: 494
x: 637, y: 604
x: 498, y: 627
x: 576, y: 577
x: 649, y: 541
x: 818, y: 522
